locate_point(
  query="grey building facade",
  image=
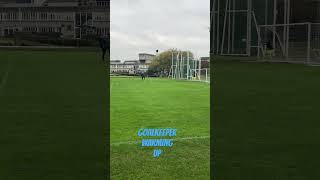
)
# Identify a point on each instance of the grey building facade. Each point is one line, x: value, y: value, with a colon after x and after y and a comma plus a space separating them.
x: 132, y: 66
x: 73, y: 19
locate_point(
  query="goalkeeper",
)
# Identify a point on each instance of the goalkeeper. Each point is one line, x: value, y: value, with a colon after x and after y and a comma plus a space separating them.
x: 104, y: 46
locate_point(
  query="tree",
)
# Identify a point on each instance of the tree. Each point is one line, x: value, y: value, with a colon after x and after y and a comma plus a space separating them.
x: 162, y: 62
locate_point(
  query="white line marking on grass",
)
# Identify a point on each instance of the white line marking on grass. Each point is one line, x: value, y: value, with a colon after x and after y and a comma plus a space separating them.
x: 5, y: 78
x: 174, y: 139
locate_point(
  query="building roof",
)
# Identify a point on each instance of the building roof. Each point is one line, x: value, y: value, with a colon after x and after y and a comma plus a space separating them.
x: 131, y: 62
x: 37, y: 3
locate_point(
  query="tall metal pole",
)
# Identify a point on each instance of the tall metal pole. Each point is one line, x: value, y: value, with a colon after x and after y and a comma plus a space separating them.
x: 188, y: 69
x: 229, y: 26
x: 172, y: 65
x: 218, y: 26
x: 224, y: 26
x: 233, y: 24
x: 309, y: 42
x: 259, y: 42
x: 182, y: 67
x: 288, y: 27
x: 275, y: 12
x: 285, y: 28
x: 249, y: 17
x: 266, y: 17
x: 213, y: 25
x: 199, y: 74
x: 177, y: 66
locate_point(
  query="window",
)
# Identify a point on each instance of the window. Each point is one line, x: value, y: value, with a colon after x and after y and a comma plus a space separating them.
x: 52, y: 17
x: 33, y: 15
x: 43, y: 16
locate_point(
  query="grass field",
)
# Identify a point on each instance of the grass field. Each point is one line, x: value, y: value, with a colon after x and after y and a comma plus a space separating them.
x: 52, y: 115
x: 159, y: 103
x: 266, y: 121
x: 53, y: 119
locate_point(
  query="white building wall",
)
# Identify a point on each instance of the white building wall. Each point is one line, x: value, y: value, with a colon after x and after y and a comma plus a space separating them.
x: 48, y: 20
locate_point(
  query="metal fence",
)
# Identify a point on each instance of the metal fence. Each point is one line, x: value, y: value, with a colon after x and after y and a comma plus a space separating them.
x: 295, y: 42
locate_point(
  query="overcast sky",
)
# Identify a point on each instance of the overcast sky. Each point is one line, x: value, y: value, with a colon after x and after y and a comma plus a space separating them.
x: 142, y: 26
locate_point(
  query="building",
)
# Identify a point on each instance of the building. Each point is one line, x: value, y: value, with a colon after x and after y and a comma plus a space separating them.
x: 205, y: 59
x: 116, y: 66
x: 73, y: 19
x: 127, y: 67
x: 145, y: 61
x: 145, y: 58
x: 132, y: 66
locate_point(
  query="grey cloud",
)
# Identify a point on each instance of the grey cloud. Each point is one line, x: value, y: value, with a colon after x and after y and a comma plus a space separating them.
x: 147, y: 25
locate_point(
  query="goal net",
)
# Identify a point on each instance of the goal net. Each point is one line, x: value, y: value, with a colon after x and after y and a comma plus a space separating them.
x: 296, y: 43
x: 185, y: 67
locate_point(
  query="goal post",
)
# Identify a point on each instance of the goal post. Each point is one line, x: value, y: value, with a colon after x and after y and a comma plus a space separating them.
x: 185, y: 67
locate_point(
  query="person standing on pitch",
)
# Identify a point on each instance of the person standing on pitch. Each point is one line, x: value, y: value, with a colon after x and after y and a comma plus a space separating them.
x: 143, y: 76
x: 104, y: 46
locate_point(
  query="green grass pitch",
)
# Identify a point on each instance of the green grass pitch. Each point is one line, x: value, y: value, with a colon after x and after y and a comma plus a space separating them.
x: 159, y: 103
x: 52, y: 115
x: 266, y: 121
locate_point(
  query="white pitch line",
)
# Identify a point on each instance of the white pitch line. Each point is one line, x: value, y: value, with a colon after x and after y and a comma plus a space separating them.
x: 5, y: 78
x: 175, y: 139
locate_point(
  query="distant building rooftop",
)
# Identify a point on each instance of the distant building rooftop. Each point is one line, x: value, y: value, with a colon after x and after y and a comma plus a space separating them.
x: 205, y: 58
x: 37, y: 3
x: 131, y: 62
